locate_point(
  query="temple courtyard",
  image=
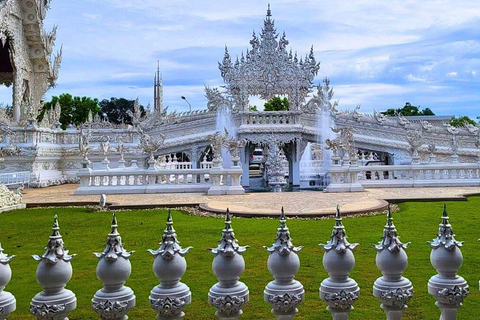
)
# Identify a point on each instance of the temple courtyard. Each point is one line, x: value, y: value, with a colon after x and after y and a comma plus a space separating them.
x: 307, y: 203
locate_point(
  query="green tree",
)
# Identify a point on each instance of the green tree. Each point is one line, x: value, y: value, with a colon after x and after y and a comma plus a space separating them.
x: 461, y: 121
x: 116, y: 109
x: 409, y: 110
x: 277, y: 104
x: 74, y: 110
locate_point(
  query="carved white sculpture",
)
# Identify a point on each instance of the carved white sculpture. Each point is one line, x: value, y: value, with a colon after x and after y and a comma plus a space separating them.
x: 34, y: 69
x: 53, y: 272
x: 114, y: 300
x: 7, y: 300
x: 447, y: 287
x: 268, y: 70
x: 339, y: 291
x: 393, y: 290
x: 284, y: 294
x: 229, y: 295
x: 171, y: 296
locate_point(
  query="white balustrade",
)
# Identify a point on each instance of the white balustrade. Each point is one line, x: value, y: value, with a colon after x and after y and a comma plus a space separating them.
x: 412, y: 175
x: 179, y: 177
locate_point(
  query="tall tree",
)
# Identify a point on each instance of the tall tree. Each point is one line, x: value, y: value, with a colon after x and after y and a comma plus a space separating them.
x: 409, y: 110
x: 277, y: 104
x: 116, y: 109
x: 74, y: 110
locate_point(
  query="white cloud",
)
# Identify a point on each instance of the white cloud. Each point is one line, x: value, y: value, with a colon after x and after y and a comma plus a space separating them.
x: 375, y: 52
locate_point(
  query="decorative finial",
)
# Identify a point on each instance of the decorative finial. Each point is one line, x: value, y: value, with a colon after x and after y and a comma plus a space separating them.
x: 114, y: 247
x: 54, y: 250
x: 4, y: 258
x: 169, y: 245
x: 228, y: 245
x: 390, y: 239
x: 269, y: 12
x: 445, y: 236
x: 338, y: 240
x: 283, y: 243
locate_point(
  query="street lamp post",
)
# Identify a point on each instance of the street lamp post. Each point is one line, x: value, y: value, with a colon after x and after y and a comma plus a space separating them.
x: 189, y: 105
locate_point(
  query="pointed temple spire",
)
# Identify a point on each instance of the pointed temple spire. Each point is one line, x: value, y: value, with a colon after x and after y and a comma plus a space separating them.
x: 269, y: 12
x: 158, y: 90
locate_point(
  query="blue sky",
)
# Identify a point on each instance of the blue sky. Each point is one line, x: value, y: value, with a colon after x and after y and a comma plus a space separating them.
x: 377, y: 53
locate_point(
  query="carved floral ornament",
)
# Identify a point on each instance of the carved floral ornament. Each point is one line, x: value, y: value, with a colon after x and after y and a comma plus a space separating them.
x: 341, y: 300
x: 285, y: 303
x: 168, y: 307
x: 110, y: 309
x: 228, y: 304
x: 46, y: 311
x: 396, y: 298
x: 454, y: 295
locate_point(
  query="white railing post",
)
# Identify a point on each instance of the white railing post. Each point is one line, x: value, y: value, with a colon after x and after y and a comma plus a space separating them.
x: 7, y: 300
x: 171, y: 296
x: 393, y: 290
x: 284, y: 294
x: 53, y: 272
x: 338, y: 290
x: 228, y: 295
x: 114, y: 300
x: 447, y: 287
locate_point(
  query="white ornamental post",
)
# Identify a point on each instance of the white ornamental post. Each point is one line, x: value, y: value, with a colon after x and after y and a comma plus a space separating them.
x: 447, y: 287
x: 393, y: 290
x: 338, y: 290
x: 171, y: 296
x: 228, y: 295
x: 7, y: 300
x: 284, y: 294
x: 114, y: 300
x: 53, y: 272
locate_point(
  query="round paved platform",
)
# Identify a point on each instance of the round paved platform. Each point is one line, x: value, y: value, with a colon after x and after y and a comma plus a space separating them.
x: 308, y: 203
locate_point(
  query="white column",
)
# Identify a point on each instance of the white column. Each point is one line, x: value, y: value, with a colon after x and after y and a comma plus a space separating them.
x: 245, y: 160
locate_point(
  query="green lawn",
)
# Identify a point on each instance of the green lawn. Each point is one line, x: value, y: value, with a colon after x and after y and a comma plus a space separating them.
x: 25, y: 232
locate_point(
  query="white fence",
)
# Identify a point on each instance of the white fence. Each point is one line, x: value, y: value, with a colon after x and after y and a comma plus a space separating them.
x: 15, y: 178
x: 395, y: 176
x: 177, y: 178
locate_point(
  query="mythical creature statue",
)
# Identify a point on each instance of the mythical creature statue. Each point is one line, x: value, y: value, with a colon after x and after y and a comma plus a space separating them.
x: 322, y: 101
x: 149, y: 145
x: 356, y: 115
x: 218, y: 141
x: 346, y: 140
x: 216, y: 99
x: 415, y: 140
x: 84, y: 144
x: 402, y: 120
x: 334, y: 145
x: 380, y: 117
x: 471, y: 128
x: 427, y: 126
x: 105, y: 146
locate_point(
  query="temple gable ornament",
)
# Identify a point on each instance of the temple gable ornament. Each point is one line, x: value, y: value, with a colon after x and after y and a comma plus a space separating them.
x: 268, y: 70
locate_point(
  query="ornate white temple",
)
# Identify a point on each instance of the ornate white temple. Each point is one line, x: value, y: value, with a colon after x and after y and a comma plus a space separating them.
x: 268, y: 69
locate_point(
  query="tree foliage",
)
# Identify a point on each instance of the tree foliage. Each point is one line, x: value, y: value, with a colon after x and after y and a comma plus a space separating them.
x: 74, y: 110
x: 116, y: 109
x: 277, y: 104
x: 409, y: 110
x: 461, y: 121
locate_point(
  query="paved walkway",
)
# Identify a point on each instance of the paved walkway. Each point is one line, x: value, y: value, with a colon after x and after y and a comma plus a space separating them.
x: 308, y: 203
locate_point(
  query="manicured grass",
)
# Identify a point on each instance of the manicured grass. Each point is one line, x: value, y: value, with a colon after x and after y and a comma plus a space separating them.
x: 25, y: 232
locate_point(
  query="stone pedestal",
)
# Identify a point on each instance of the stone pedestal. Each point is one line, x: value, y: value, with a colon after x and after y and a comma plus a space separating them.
x: 447, y: 287
x: 393, y: 290
x: 53, y: 272
x: 284, y: 294
x: 338, y: 290
x: 7, y: 300
x: 171, y: 296
x: 229, y: 295
x: 114, y: 300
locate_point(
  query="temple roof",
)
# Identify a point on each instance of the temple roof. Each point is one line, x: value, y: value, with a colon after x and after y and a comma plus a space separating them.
x: 268, y: 69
